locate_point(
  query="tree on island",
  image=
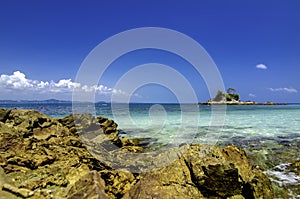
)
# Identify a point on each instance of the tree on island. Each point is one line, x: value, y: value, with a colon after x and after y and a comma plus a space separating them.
x: 230, y: 95
x: 231, y: 90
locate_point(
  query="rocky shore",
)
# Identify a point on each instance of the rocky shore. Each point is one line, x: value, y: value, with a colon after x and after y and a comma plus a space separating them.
x: 43, y: 157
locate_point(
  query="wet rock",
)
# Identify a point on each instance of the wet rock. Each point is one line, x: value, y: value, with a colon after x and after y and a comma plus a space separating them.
x: 275, y: 153
x: 285, y: 142
x: 296, y: 167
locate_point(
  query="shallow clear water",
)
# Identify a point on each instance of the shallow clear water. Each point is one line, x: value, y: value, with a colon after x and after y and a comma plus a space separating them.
x: 270, y: 134
x: 192, y: 124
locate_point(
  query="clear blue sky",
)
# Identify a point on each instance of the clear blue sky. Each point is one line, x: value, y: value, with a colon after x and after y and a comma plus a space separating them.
x: 255, y: 44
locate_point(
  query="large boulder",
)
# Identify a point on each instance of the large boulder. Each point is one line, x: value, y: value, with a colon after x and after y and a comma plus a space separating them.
x: 102, y: 130
x: 204, y: 171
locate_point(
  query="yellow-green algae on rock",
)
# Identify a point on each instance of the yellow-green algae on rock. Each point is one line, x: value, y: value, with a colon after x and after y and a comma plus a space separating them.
x: 43, y: 157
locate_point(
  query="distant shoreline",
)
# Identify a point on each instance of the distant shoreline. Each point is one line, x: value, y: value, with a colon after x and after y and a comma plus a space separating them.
x: 240, y: 103
x: 54, y: 101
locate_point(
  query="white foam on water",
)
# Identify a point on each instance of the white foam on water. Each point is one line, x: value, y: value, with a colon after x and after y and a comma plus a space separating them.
x: 281, y: 176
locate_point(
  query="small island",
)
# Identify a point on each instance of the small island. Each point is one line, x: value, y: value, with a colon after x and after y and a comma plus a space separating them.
x: 230, y: 97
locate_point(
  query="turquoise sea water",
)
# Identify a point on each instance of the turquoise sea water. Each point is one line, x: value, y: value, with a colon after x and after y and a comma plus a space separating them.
x: 269, y: 134
x: 252, y: 121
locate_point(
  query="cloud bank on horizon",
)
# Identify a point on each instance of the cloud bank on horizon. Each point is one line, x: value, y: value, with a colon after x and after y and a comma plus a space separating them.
x: 285, y: 89
x: 17, y: 83
x: 18, y: 86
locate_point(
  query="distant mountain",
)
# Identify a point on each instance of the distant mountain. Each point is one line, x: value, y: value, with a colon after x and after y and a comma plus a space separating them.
x: 48, y: 101
x: 102, y: 102
x: 55, y: 101
x: 8, y: 101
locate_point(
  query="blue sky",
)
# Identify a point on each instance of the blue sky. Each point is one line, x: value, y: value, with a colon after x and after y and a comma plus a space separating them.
x: 255, y: 45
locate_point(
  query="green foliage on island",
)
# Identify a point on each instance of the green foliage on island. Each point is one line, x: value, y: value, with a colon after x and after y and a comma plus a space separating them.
x: 230, y: 95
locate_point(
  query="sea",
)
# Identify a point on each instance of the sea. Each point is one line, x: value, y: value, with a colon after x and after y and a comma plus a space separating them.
x: 270, y: 134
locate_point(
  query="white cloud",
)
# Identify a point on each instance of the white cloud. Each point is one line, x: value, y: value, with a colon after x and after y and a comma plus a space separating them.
x: 15, y: 81
x: 289, y: 90
x: 261, y: 66
x: 20, y: 84
x: 66, y: 83
x: 42, y: 84
x: 252, y: 95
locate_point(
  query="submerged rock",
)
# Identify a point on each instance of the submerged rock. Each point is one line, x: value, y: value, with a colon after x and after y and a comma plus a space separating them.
x: 42, y: 157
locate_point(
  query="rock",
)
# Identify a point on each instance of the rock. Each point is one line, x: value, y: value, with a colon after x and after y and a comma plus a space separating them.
x: 236, y: 197
x: 269, y: 103
x: 99, y: 131
x: 25, y: 193
x: 117, y: 182
x: 3, y: 181
x: 90, y: 186
x: 202, y: 172
x: 173, y: 181
x: 78, y: 122
x: 3, y: 114
x: 9, y: 190
x: 29, y: 123
x: 7, y: 195
x: 296, y: 167
x: 42, y: 157
x: 2, y: 178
